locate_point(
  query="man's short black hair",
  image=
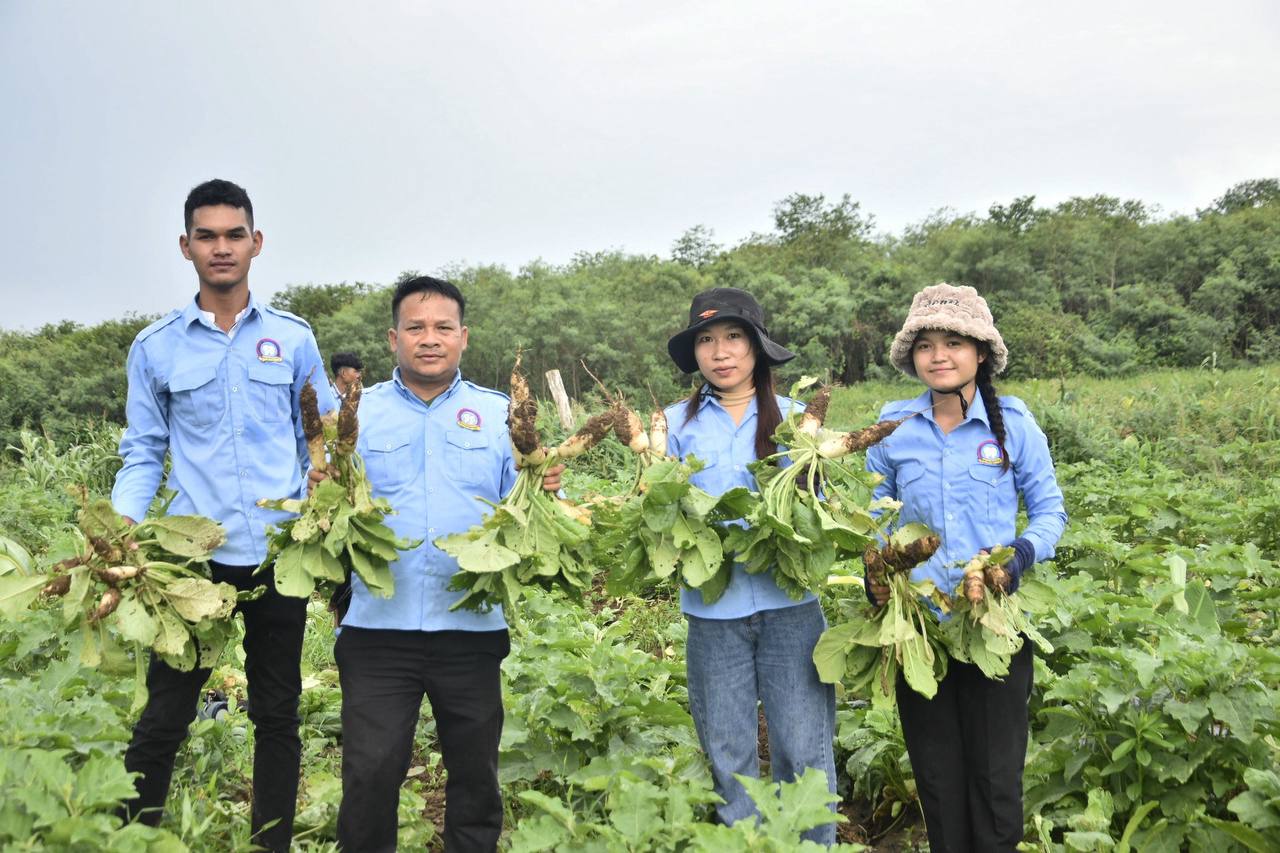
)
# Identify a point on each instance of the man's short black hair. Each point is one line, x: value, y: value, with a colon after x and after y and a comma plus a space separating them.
x: 425, y: 284
x: 339, y: 360
x: 217, y: 192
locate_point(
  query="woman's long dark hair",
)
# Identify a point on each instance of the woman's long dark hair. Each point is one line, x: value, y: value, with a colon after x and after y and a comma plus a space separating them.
x: 768, y: 415
x: 992, y: 402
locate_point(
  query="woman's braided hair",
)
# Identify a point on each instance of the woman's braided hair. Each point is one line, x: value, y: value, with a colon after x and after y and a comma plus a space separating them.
x: 992, y: 402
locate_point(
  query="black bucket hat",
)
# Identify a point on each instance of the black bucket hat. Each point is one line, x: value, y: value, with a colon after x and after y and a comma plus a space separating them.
x: 717, y: 305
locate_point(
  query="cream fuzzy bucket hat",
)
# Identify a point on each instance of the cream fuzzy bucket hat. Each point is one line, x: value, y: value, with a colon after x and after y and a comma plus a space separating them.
x: 948, y: 308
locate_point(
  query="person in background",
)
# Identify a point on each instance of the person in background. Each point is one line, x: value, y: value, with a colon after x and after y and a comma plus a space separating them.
x: 215, y: 386
x: 347, y: 368
x: 959, y: 468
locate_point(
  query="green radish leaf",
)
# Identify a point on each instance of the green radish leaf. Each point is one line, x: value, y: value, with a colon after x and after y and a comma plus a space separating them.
x: 18, y: 591
x: 190, y: 536
x: 831, y: 651
x: 697, y: 504
x: 134, y: 621
x: 291, y: 575
x: 195, y: 599
x: 172, y: 637
x: 908, y: 533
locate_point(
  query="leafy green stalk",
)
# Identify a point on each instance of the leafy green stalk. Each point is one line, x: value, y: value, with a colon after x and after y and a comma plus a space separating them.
x: 813, y: 509
x: 340, y: 528
x: 148, y: 581
x: 532, y: 538
x: 665, y: 529
x: 868, y: 650
x: 988, y: 632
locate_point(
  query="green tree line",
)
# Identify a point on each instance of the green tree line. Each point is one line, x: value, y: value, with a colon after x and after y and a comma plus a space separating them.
x: 1095, y: 285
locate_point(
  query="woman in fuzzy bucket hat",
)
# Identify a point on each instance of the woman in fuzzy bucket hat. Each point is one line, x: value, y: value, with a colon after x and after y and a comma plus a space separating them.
x: 960, y: 469
x: 749, y: 644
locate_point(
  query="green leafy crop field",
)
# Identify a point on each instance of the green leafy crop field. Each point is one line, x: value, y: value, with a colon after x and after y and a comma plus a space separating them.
x: 1154, y: 720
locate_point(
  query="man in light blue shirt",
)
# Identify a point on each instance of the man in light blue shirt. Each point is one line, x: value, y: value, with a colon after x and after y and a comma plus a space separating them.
x: 433, y: 444
x: 216, y: 385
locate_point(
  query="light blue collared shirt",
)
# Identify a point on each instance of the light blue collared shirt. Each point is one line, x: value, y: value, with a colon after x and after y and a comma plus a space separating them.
x: 953, y: 483
x: 226, y: 409
x: 726, y: 449
x: 432, y: 461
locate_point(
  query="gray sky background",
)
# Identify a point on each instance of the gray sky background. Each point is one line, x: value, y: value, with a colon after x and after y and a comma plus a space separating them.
x: 379, y: 137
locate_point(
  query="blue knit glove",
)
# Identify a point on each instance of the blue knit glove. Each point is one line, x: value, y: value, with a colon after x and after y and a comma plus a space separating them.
x: 1024, y: 557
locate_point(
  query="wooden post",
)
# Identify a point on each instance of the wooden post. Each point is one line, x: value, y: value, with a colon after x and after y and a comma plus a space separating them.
x: 556, y: 384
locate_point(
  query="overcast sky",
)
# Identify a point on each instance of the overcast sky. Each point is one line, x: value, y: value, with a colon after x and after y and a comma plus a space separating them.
x: 377, y: 137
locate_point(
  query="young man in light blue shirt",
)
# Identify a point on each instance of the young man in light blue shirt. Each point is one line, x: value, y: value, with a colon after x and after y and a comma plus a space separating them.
x: 433, y: 444
x: 215, y: 385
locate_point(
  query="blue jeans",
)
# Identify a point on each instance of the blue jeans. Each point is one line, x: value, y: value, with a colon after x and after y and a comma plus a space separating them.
x: 765, y: 657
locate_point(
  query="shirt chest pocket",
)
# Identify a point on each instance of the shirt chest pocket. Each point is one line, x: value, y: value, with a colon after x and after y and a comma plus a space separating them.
x: 985, y: 483
x: 196, y: 397
x: 271, y: 392
x: 913, y: 490
x: 467, y: 457
x: 389, y: 464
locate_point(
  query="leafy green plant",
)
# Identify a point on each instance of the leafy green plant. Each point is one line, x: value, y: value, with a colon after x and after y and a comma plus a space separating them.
x: 146, y: 580
x: 531, y: 539
x: 814, y: 500
x: 867, y: 649
x: 606, y: 697
x: 637, y: 816
x: 877, y: 764
x: 665, y: 530
x: 339, y: 529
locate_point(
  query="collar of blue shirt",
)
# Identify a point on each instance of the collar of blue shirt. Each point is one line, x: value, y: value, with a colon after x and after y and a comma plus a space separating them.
x: 408, y: 394
x: 977, y: 409
x: 709, y: 398
x: 194, y: 314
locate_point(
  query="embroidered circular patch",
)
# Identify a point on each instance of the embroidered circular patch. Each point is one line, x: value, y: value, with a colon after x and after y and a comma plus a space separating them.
x: 989, y: 453
x: 268, y: 350
x: 468, y: 419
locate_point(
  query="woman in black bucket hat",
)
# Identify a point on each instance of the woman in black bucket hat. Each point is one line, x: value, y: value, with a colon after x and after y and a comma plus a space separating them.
x: 748, y: 641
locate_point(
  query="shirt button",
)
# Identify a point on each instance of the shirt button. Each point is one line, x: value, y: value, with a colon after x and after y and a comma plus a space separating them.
x: 431, y: 530
x: 428, y: 452
x: 431, y: 491
x: 466, y: 444
x: 238, y: 430
x: 235, y: 388
x: 244, y: 473
x: 950, y: 517
x: 388, y: 447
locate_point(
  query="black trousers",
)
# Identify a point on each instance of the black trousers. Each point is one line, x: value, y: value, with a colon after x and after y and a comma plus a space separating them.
x: 967, y: 746
x: 384, y: 675
x: 273, y: 629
